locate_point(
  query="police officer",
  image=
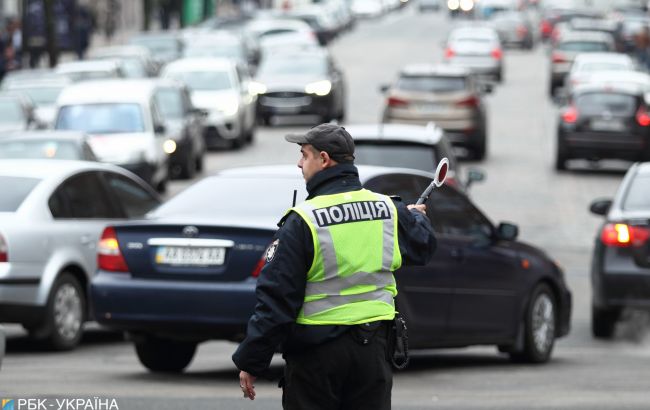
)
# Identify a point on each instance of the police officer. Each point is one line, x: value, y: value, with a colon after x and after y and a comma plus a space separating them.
x: 325, y: 294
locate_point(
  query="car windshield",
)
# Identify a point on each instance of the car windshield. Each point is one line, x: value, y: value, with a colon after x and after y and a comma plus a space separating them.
x: 293, y: 65
x: 39, y: 149
x: 203, y: 80
x: 14, y: 191
x: 431, y: 84
x: 583, y: 46
x: 11, y: 111
x: 110, y: 118
x: 230, y: 197
x: 396, y: 155
x: 638, y: 194
x: 599, y: 102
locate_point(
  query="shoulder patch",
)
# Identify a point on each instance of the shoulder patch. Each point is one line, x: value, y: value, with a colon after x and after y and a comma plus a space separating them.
x: 271, y: 250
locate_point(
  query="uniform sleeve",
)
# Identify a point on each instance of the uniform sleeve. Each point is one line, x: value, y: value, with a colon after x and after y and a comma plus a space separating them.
x: 417, y: 242
x: 280, y: 294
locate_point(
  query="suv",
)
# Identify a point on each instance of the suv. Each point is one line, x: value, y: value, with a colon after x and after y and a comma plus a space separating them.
x: 449, y: 96
x: 620, y: 269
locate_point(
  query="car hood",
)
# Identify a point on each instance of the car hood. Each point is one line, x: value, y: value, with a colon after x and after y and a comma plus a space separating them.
x: 289, y: 82
x: 212, y: 99
x: 120, y: 148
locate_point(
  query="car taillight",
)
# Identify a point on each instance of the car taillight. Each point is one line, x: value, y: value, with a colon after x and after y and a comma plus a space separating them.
x: 259, y: 265
x: 570, y: 115
x: 109, y: 256
x: 642, y: 117
x: 468, y: 102
x: 546, y: 28
x: 624, y: 235
x: 558, y: 57
x: 4, y: 250
x: 396, y: 102
x: 449, y: 53
x: 497, y: 54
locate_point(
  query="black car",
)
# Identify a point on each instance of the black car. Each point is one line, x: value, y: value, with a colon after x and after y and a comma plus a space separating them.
x: 68, y: 145
x: 620, y: 268
x: 604, y: 121
x: 188, y: 273
x: 299, y: 82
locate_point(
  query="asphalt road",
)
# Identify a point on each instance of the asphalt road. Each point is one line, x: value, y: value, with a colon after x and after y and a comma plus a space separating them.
x: 551, y: 210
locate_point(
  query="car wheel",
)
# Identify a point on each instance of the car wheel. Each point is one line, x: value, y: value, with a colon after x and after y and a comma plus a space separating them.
x: 539, y: 327
x: 64, y: 315
x: 479, y: 150
x: 603, y: 322
x: 561, y: 156
x: 188, y: 170
x: 163, y: 355
x: 250, y: 135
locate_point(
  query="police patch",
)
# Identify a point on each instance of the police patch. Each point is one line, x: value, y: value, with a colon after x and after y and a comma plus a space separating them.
x: 270, y: 252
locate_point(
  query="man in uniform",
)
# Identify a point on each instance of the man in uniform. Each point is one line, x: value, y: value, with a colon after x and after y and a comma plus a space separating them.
x: 326, y: 293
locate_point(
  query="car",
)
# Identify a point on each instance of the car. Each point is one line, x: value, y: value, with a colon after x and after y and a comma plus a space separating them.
x: 222, y: 88
x: 424, y: 5
x: 300, y: 82
x: 124, y: 124
x: 632, y: 25
x: 366, y: 9
x: 613, y: 28
x: 17, y: 112
x: 586, y: 64
x: 288, y: 41
x: 52, y: 214
x: 450, y: 96
x: 604, y: 121
x: 225, y: 45
x: 552, y: 16
x: 265, y: 26
x: 321, y: 19
x: 66, y: 145
x: 136, y: 61
x: 620, y: 265
x: 43, y: 92
x: 514, y: 28
x: 164, y: 46
x: 477, y: 48
x: 187, y: 273
x: 568, y: 46
x: 620, y: 77
x: 91, y: 70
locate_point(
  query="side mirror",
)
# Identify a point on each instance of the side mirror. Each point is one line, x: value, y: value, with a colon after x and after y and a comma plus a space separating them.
x: 383, y: 88
x: 600, y: 206
x: 507, y: 231
x: 474, y: 175
x: 159, y: 129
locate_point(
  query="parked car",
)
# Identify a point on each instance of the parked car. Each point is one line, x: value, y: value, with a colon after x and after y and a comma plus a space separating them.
x: 124, y: 124
x: 66, y: 145
x: 17, y: 112
x: 450, y: 96
x: 604, y: 121
x: 477, y: 48
x: 52, y: 214
x: 620, y: 266
x: 222, y: 88
x: 188, y: 273
x: 304, y: 82
x: 91, y: 70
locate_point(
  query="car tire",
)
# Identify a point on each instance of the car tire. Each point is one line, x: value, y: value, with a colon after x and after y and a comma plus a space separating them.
x: 188, y: 170
x: 250, y: 135
x: 164, y: 355
x: 561, y: 156
x: 65, y: 314
x: 603, y: 322
x: 539, y: 327
x: 480, y: 149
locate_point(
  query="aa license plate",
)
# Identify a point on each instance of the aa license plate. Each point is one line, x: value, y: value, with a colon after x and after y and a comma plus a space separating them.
x: 175, y: 255
x: 607, y: 125
x: 430, y: 108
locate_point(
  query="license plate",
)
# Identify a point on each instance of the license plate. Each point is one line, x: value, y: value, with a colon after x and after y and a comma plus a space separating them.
x: 607, y: 125
x: 430, y: 108
x: 190, y: 256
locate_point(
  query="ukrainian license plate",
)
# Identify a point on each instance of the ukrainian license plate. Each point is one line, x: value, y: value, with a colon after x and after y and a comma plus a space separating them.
x: 429, y: 108
x: 607, y: 125
x: 190, y: 256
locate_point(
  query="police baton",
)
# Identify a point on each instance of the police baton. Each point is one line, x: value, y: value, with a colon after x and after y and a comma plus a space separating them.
x: 438, y: 180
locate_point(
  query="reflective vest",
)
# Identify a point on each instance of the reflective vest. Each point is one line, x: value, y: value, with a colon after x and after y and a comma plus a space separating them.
x: 356, y: 251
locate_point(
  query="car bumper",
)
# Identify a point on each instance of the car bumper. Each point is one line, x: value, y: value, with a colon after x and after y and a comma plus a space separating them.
x: 605, y: 145
x: 617, y: 281
x: 303, y: 104
x: 564, y: 317
x: 205, y: 310
x: 216, y: 131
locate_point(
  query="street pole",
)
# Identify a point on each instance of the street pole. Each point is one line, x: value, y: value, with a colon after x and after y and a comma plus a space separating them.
x: 50, y: 33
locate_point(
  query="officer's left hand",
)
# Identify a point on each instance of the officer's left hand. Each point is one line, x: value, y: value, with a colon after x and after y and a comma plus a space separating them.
x: 420, y: 208
x: 246, y: 381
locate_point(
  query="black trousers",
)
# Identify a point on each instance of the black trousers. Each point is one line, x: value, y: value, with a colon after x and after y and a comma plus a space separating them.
x: 349, y: 373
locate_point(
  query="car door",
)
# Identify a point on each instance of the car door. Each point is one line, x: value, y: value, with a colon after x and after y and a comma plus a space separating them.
x: 486, y: 271
x: 424, y: 291
x: 81, y: 208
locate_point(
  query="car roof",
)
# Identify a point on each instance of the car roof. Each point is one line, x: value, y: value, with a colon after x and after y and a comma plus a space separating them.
x: 111, y: 90
x: 435, y: 69
x: 48, y: 169
x: 75, y: 136
x: 426, y: 135
x: 366, y: 172
x: 602, y: 56
x: 199, y: 63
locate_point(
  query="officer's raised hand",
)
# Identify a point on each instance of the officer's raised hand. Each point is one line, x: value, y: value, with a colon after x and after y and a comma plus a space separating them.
x: 246, y: 381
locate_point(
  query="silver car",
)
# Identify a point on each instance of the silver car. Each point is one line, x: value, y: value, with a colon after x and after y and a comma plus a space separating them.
x: 52, y: 214
x: 476, y: 48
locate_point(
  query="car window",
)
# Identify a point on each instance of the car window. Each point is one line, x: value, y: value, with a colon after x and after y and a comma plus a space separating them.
x: 14, y: 191
x: 203, y: 80
x: 403, y: 185
x: 135, y: 200
x: 583, y: 46
x: 82, y: 196
x: 101, y: 118
x: 637, y: 197
x: 35, y: 149
x: 170, y: 103
x: 431, y: 84
x: 396, y: 155
x: 598, y: 102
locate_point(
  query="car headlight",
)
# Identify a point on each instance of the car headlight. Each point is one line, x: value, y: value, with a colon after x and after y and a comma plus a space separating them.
x: 229, y: 110
x: 319, y: 88
x: 466, y: 5
x: 169, y: 146
x: 256, y: 88
x: 453, y: 4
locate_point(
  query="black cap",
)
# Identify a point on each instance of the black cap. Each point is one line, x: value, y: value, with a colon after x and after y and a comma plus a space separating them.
x: 331, y: 138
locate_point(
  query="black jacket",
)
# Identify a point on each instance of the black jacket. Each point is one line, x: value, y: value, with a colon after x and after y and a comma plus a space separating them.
x: 281, y: 285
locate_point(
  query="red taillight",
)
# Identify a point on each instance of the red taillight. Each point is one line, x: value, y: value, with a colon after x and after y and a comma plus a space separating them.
x: 497, y: 54
x: 642, y: 117
x: 546, y: 28
x: 468, y: 102
x: 449, y: 53
x: 623, y: 235
x: 109, y: 256
x: 4, y: 250
x: 570, y: 115
x: 396, y: 102
x: 558, y: 57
